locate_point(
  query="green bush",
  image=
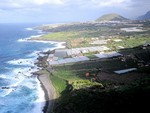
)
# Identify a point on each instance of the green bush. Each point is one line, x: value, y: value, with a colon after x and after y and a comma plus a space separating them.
x: 84, y: 84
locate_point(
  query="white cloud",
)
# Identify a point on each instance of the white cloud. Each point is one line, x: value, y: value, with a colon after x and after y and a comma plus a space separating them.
x: 82, y: 3
x: 15, y: 4
x: 111, y: 2
x: 78, y: 3
x: 54, y: 2
x: 102, y: 3
x: 8, y: 5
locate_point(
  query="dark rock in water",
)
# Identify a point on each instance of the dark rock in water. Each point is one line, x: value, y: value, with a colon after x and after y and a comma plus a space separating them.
x: 32, y: 67
x: 33, y: 76
x: 36, y: 73
x: 5, y: 87
x: 49, y: 52
x: 39, y: 58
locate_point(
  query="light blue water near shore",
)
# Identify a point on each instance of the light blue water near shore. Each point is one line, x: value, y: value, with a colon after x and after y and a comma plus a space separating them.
x: 20, y: 92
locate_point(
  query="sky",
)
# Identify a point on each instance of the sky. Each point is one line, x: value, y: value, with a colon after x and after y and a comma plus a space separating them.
x: 24, y: 11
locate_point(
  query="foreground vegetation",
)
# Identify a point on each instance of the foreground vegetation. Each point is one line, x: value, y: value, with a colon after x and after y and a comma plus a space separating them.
x: 65, y: 78
x: 130, y: 99
x: 76, y: 93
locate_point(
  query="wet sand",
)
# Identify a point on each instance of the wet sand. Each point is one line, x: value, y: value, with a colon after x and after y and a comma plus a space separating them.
x: 49, y: 92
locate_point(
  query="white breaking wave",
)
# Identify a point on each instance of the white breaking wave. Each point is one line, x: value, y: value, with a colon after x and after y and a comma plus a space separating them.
x: 3, y: 76
x: 23, y: 62
x: 28, y: 39
x: 29, y: 29
x: 5, y: 92
x: 17, y: 77
x: 34, y: 54
x: 11, y: 87
x: 23, y: 39
x: 58, y: 44
x: 40, y: 101
x: 25, y: 71
x: 40, y: 31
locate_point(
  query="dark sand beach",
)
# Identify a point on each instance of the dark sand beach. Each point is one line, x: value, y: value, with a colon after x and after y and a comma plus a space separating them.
x: 49, y: 92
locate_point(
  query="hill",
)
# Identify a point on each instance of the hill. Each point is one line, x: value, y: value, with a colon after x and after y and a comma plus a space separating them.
x: 145, y: 16
x: 111, y: 17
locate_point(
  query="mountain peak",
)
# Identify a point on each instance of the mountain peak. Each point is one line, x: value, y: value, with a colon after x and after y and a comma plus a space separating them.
x: 146, y: 16
x: 148, y: 12
x: 111, y: 17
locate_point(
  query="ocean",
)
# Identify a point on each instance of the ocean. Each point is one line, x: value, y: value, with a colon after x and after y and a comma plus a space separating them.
x: 20, y: 91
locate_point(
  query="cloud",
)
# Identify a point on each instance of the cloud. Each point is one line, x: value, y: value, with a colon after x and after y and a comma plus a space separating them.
x: 103, y: 3
x: 79, y: 3
x: 98, y: 3
x: 10, y: 4
x: 41, y: 2
x: 19, y: 4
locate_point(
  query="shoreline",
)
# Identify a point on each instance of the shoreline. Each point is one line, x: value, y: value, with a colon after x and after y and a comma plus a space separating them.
x: 44, y: 79
x: 49, y: 92
x: 34, y: 38
x: 46, y: 83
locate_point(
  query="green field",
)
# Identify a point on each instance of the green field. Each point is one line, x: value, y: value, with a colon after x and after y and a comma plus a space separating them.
x: 79, y: 36
x: 129, y: 42
x: 84, y: 38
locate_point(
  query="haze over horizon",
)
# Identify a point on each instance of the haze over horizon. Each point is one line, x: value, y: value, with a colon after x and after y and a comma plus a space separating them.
x: 23, y: 11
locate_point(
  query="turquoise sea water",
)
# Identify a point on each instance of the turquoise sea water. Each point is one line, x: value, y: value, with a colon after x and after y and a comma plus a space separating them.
x: 20, y: 92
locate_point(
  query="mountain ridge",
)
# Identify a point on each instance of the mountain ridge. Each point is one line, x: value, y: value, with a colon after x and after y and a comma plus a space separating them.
x: 146, y: 16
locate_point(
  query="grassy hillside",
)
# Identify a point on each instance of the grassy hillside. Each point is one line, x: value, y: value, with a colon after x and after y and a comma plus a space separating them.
x: 129, y: 99
x: 111, y: 17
